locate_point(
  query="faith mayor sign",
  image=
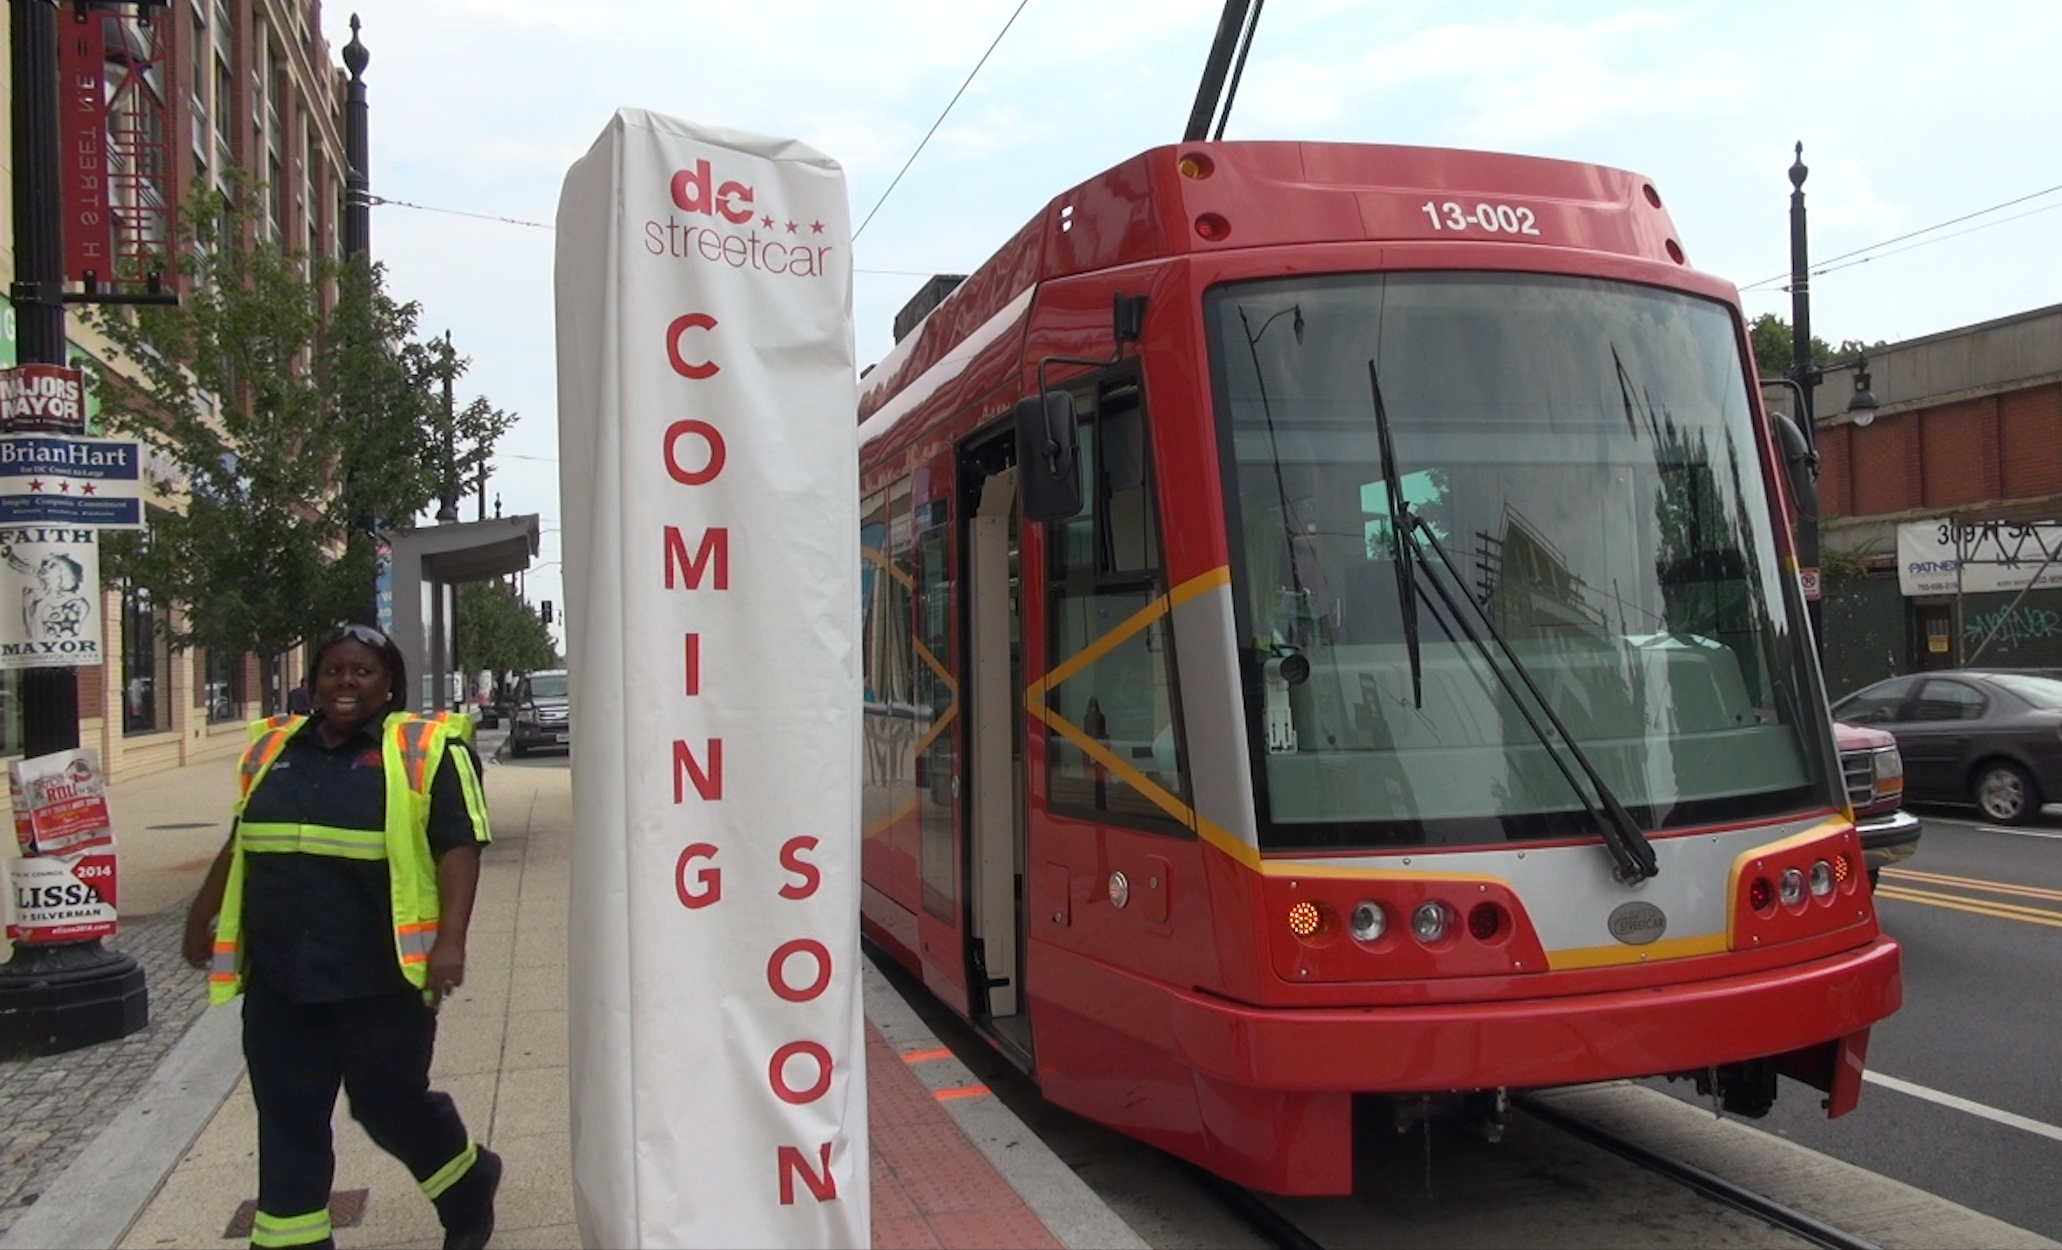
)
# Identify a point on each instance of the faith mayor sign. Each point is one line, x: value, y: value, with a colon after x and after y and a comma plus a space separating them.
x: 709, y: 476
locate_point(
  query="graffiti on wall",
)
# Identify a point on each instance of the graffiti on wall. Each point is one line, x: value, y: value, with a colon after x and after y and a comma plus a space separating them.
x: 2013, y: 627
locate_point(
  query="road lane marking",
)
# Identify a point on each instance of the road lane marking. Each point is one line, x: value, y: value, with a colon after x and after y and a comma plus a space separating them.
x: 2007, y: 1118
x: 2018, y: 833
x: 2000, y: 911
x: 1974, y: 883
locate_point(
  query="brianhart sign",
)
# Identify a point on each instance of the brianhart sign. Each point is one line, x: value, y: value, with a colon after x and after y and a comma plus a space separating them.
x: 708, y: 462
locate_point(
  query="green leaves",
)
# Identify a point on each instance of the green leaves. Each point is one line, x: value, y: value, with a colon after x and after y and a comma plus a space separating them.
x: 499, y: 632
x: 303, y: 414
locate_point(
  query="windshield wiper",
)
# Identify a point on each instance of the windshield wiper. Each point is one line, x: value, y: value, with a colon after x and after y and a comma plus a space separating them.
x: 1632, y: 855
x: 1404, y: 557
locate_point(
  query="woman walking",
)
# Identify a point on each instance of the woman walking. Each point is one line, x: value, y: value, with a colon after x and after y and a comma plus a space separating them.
x: 339, y: 910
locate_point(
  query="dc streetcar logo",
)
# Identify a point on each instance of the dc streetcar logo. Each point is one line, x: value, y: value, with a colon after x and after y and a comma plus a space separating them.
x: 1637, y: 924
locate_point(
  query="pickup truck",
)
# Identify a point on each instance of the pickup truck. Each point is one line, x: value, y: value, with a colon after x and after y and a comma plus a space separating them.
x: 1874, y: 772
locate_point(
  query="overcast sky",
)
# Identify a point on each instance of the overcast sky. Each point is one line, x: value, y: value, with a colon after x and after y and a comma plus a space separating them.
x: 1911, y: 114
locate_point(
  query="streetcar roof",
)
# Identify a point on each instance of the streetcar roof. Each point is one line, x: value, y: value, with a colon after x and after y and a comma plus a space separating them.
x: 1195, y: 198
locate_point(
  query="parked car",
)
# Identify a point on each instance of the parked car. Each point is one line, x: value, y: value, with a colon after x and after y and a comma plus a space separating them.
x: 1987, y: 737
x: 1874, y: 772
x: 542, y: 714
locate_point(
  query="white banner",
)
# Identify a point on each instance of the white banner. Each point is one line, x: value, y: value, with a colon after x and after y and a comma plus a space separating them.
x: 49, y: 598
x: 1944, y: 557
x: 709, y: 480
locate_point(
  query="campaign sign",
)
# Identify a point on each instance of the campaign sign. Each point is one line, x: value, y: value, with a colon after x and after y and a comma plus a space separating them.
x: 48, y: 398
x: 93, y: 482
x: 61, y: 898
x: 63, y: 889
x: 50, y: 614
x: 708, y: 462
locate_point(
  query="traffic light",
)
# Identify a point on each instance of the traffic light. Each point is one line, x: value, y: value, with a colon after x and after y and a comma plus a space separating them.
x: 547, y: 612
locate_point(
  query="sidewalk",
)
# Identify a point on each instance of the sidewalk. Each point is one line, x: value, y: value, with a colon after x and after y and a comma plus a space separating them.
x: 951, y: 1165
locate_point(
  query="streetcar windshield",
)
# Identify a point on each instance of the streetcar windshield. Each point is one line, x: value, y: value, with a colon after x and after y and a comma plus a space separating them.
x: 1584, y: 451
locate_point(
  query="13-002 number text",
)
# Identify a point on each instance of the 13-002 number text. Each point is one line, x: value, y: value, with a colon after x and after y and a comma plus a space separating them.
x: 1488, y: 218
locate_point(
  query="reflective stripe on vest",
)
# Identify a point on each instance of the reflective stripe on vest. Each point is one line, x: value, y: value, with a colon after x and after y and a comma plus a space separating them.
x: 266, y: 837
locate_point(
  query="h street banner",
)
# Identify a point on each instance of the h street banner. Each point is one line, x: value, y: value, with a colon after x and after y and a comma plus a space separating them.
x: 708, y: 471
x: 49, y: 598
x: 1947, y: 557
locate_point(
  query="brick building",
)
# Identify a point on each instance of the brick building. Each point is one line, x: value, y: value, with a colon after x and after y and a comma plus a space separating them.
x: 203, y: 88
x: 1969, y: 431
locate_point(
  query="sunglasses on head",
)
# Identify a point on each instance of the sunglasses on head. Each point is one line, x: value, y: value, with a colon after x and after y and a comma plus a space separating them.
x: 362, y: 633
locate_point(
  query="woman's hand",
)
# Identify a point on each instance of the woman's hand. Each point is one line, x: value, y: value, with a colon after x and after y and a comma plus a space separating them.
x: 446, y: 969
x: 199, y: 946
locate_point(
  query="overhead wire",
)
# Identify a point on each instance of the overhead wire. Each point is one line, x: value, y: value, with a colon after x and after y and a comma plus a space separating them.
x: 1832, y: 263
x: 941, y: 120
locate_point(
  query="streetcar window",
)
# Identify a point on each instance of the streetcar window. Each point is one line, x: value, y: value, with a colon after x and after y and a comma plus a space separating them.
x: 1584, y: 454
x: 1114, y: 752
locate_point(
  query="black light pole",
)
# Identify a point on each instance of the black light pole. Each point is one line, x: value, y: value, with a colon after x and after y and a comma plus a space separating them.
x: 58, y: 996
x: 1806, y: 374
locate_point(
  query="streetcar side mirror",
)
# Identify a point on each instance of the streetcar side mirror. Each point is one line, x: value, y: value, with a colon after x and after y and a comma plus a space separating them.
x: 1048, y: 457
x: 1800, y: 461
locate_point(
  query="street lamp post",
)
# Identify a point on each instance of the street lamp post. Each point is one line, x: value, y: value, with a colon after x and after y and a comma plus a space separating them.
x: 1805, y: 375
x: 58, y: 996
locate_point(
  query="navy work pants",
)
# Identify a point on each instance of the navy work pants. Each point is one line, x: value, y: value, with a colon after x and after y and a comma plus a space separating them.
x: 378, y: 1049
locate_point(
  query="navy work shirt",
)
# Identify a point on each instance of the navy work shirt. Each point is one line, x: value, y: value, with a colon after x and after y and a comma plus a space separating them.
x: 318, y: 928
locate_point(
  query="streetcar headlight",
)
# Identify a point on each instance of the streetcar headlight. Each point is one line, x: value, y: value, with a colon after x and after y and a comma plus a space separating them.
x: 1790, y: 887
x: 1430, y: 922
x: 1821, y: 879
x: 1369, y: 922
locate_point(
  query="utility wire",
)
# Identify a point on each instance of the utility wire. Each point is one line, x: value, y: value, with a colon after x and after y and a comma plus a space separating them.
x: 515, y: 221
x: 1831, y: 262
x: 941, y: 120
x: 455, y: 212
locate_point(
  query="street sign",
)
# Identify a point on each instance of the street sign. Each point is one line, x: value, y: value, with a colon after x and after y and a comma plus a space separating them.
x: 1809, y: 579
x: 51, y: 480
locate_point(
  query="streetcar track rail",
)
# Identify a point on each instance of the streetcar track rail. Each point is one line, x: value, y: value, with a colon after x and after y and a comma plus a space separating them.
x: 1282, y: 1232
x: 1710, y: 1184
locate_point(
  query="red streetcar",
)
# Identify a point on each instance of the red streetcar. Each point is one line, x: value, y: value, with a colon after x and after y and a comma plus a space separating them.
x: 1331, y: 633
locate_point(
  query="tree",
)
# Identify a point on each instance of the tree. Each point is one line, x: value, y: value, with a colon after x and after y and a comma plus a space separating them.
x: 500, y: 633
x: 298, y: 424
x: 1775, y: 350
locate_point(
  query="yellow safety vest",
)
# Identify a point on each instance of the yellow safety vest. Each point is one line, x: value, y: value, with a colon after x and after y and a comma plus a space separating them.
x: 412, y: 747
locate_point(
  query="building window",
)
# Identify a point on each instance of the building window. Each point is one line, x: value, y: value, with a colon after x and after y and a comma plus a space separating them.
x: 146, y: 665
x: 223, y: 691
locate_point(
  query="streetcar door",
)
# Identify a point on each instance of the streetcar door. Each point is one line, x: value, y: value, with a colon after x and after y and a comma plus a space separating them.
x: 995, y: 808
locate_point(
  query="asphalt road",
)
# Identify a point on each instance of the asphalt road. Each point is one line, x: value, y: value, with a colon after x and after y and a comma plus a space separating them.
x: 1978, y: 912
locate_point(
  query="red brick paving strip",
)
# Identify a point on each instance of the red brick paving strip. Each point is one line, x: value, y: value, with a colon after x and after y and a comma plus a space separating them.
x: 932, y: 1187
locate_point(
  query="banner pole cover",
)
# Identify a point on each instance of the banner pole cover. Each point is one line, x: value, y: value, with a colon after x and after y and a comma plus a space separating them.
x: 709, y: 485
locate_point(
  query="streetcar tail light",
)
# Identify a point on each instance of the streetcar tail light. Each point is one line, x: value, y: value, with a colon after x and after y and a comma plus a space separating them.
x: 1391, y: 926
x: 1305, y: 919
x: 1803, y: 886
x: 1485, y: 922
x: 1430, y: 922
x: 1790, y: 887
x: 1213, y: 228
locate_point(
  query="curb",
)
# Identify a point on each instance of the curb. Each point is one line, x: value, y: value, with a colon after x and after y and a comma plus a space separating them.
x: 98, y: 1198
x: 1073, y: 1212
